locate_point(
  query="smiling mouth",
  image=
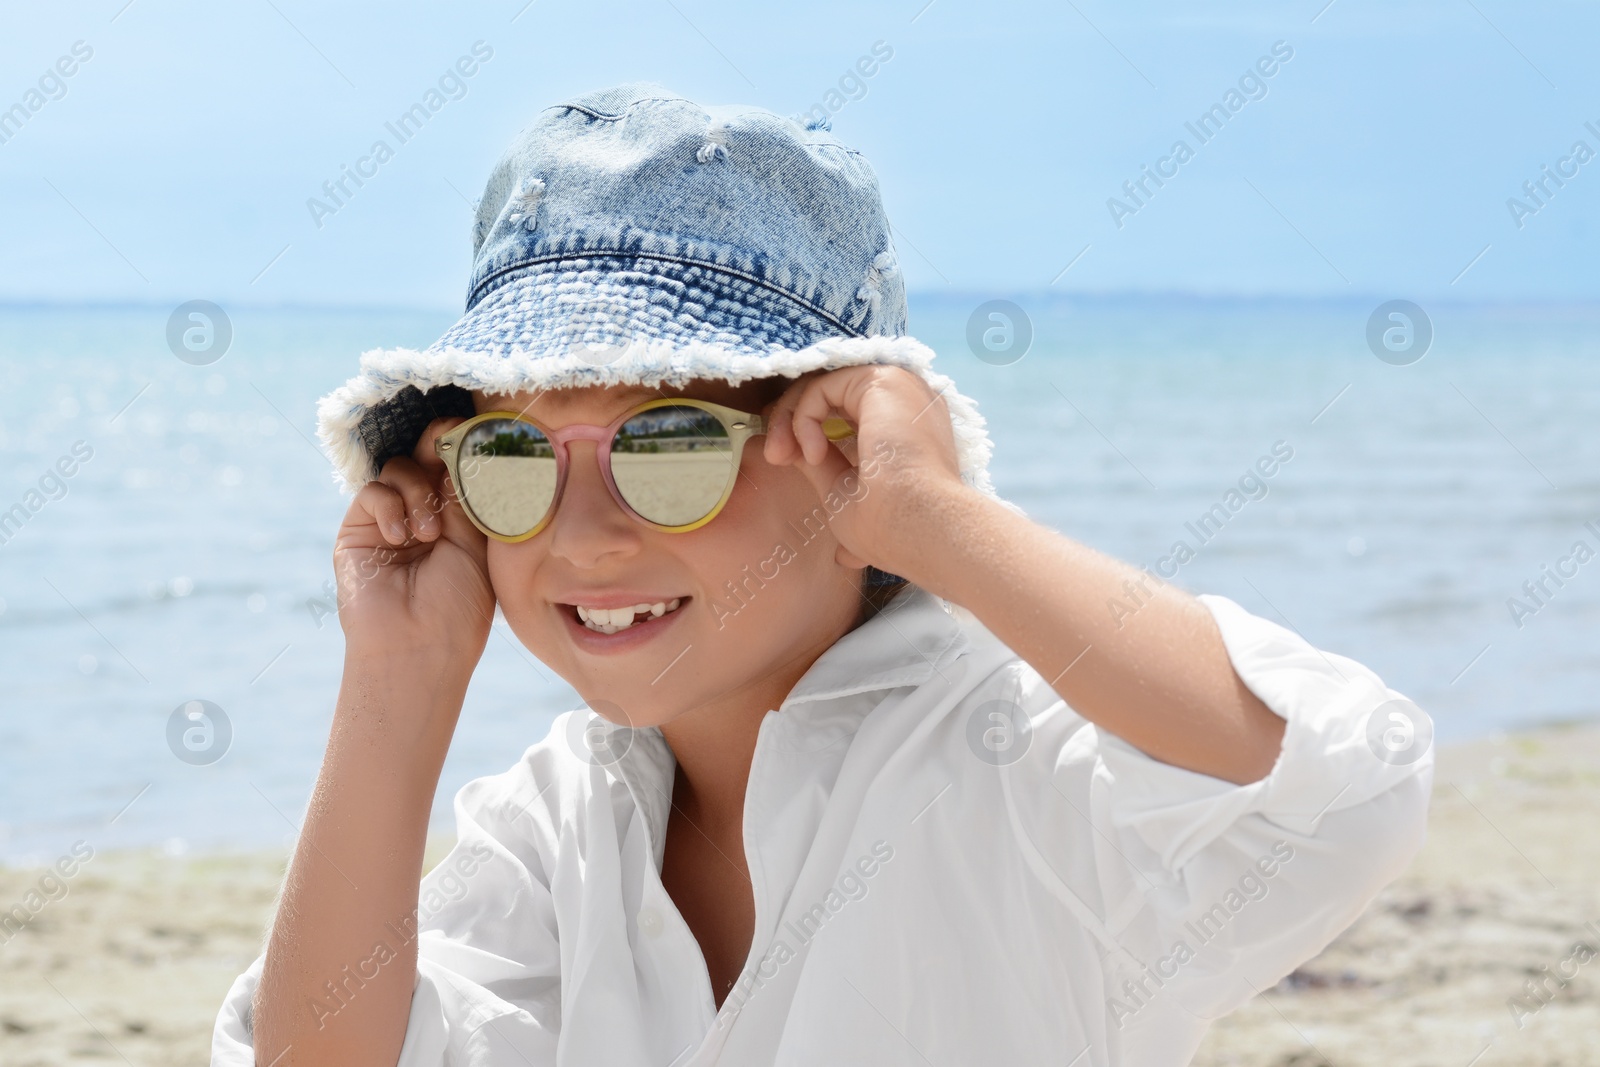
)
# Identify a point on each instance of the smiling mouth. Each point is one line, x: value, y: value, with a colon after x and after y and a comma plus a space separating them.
x: 615, y: 620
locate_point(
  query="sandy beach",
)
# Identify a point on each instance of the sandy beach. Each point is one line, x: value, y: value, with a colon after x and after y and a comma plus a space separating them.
x: 1505, y: 886
x: 131, y: 964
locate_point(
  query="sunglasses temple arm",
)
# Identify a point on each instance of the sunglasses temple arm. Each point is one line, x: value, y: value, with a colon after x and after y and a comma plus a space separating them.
x: 833, y: 427
x: 836, y: 429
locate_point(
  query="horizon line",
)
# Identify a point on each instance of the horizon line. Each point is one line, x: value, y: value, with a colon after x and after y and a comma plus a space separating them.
x: 941, y: 295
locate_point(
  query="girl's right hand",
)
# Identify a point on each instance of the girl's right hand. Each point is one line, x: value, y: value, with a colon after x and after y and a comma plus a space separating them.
x: 415, y: 604
x: 412, y: 569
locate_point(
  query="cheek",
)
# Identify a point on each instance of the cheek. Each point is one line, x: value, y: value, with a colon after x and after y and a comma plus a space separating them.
x: 773, y: 543
x: 511, y: 576
x: 758, y: 514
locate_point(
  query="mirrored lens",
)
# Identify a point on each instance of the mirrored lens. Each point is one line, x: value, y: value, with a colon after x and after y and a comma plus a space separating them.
x: 507, y: 475
x: 672, y: 463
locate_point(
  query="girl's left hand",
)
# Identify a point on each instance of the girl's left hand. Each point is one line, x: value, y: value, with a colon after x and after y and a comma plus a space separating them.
x: 889, y: 481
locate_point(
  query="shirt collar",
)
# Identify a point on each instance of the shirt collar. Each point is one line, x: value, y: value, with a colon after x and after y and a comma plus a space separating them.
x: 913, y: 640
x: 908, y: 643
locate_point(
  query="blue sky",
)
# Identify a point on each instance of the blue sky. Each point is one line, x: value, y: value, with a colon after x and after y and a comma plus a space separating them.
x: 176, y: 162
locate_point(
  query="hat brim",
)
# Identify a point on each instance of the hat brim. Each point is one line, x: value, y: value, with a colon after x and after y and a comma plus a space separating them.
x: 559, y: 329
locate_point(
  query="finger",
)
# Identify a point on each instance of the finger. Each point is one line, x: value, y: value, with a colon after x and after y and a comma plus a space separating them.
x: 419, y: 493
x: 780, y: 447
x: 831, y: 462
x: 447, y: 501
x: 428, y: 514
x: 424, y: 452
x: 838, y: 392
x: 775, y: 448
x: 384, y: 508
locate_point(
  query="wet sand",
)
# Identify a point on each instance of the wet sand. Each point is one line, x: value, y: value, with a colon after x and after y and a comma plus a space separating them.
x: 133, y: 962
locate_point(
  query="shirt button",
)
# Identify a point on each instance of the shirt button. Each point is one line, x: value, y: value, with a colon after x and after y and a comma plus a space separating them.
x: 649, y: 921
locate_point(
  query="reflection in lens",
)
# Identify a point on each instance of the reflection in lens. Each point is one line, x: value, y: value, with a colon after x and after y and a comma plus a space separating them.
x: 672, y: 463
x: 508, y: 475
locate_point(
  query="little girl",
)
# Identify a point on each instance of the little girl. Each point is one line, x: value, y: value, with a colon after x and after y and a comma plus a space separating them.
x: 867, y: 772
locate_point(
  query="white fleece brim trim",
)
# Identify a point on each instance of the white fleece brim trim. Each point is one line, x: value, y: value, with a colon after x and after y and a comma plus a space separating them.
x: 649, y: 362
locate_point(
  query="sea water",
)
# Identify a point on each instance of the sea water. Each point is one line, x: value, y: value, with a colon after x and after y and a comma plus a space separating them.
x: 1409, y: 511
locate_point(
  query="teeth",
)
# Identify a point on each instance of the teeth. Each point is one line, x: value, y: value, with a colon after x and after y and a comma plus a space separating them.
x: 615, y: 620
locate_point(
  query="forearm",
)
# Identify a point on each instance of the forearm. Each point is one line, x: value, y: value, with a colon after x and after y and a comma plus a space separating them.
x: 326, y: 995
x: 1160, y: 679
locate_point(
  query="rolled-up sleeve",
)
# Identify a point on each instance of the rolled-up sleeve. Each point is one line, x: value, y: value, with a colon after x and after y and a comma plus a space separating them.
x: 488, y: 962
x: 1206, y: 892
x: 231, y: 1041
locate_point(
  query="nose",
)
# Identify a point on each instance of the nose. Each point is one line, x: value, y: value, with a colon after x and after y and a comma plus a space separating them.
x: 589, y: 527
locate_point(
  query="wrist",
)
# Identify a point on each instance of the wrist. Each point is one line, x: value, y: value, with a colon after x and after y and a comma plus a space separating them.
x: 431, y: 667
x: 401, y: 703
x: 944, y: 537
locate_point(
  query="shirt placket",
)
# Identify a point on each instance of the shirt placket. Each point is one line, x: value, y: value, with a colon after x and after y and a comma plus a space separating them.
x: 662, y: 926
x: 664, y: 936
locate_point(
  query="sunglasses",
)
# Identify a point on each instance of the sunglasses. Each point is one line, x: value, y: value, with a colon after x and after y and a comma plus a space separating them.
x: 670, y: 463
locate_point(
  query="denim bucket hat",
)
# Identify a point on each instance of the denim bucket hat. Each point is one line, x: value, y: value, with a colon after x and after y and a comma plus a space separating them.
x: 632, y: 236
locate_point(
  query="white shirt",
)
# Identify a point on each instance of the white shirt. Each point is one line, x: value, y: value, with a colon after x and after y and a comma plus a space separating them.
x: 949, y: 866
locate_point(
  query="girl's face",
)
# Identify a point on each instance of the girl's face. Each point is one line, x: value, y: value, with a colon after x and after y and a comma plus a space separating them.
x: 757, y: 601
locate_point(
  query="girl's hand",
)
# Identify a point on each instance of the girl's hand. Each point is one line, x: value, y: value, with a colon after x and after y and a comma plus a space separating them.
x: 412, y: 570
x: 892, y: 478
